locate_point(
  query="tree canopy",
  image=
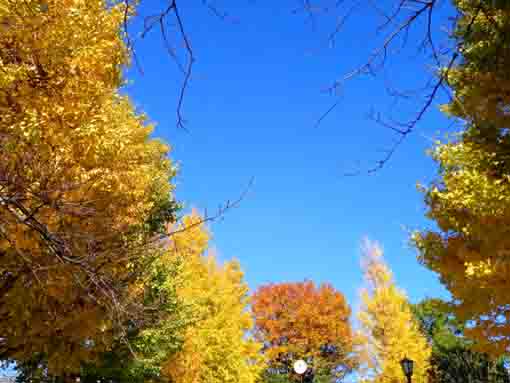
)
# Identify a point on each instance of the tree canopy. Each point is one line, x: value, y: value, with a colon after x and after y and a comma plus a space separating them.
x: 304, y: 321
x: 83, y: 187
x: 470, y: 200
x: 217, y: 345
x: 389, y: 331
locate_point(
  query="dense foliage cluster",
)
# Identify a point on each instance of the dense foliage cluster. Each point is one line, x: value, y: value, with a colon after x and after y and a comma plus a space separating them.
x: 303, y: 321
x: 389, y: 331
x: 470, y: 201
x: 217, y: 347
x: 81, y: 182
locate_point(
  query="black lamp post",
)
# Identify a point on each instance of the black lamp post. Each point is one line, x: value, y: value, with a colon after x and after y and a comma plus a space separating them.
x: 407, y: 367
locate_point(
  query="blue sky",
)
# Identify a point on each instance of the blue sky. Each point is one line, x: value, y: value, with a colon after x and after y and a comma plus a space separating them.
x: 251, y: 109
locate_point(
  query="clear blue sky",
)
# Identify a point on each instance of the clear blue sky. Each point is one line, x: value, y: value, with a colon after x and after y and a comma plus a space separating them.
x: 251, y: 107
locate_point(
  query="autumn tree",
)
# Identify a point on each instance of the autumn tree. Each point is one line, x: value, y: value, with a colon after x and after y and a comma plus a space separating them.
x: 139, y: 354
x: 389, y: 331
x: 83, y: 187
x: 469, y: 201
x: 303, y: 321
x: 202, y: 334
x: 217, y: 345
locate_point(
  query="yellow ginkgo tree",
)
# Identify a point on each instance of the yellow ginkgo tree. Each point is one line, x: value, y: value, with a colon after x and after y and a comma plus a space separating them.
x: 83, y: 186
x: 217, y: 345
x: 469, y: 202
x: 389, y: 331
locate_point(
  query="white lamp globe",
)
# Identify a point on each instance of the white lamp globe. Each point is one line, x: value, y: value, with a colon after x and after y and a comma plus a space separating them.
x: 300, y: 366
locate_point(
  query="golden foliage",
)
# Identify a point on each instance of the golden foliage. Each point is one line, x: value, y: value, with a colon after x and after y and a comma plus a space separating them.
x: 471, y: 252
x: 481, y: 82
x: 79, y: 177
x: 217, y: 347
x: 389, y: 330
x: 470, y: 200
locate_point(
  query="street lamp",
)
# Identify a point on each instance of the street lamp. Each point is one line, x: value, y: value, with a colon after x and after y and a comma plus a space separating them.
x: 300, y: 368
x: 407, y: 367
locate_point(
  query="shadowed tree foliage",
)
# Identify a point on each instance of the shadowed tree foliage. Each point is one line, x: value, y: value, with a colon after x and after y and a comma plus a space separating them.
x: 453, y: 360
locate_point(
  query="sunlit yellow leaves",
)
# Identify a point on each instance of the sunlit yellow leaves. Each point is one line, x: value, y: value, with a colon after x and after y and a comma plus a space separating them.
x: 471, y: 206
x: 389, y: 332
x: 217, y: 346
x: 80, y: 178
x: 470, y: 201
x: 477, y: 269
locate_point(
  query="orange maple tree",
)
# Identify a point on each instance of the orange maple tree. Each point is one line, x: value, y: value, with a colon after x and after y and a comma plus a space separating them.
x: 304, y: 321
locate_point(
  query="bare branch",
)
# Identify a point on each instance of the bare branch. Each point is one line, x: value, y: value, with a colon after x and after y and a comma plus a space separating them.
x: 398, y: 23
x: 410, y: 125
x: 186, y: 69
x: 220, y: 212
